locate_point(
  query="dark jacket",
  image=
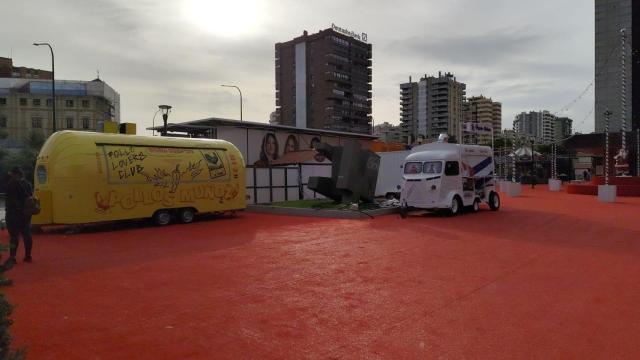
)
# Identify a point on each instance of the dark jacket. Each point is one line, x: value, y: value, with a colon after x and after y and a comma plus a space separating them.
x: 17, y: 193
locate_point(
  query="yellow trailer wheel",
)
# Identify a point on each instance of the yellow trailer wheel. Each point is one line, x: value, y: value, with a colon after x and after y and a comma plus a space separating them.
x: 186, y: 215
x: 162, y: 217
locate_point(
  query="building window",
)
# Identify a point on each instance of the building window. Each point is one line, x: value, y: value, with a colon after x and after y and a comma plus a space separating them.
x: 85, y: 122
x: 36, y: 122
x: 23, y: 102
x: 36, y: 102
x: 3, y: 101
x: 3, y: 122
x: 69, y: 103
x: 86, y: 104
x: 49, y: 102
x: 69, y: 122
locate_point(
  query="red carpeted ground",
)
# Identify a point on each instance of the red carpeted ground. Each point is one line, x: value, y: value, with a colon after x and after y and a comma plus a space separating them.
x: 551, y: 275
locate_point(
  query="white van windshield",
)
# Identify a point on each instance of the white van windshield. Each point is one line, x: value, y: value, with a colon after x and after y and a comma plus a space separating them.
x: 413, y: 167
x: 432, y: 167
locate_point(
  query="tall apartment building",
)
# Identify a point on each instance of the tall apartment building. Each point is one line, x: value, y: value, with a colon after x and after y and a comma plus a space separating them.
x: 562, y: 128
x: 535, y: 124
x: 479, y: 109
x: 409, y: 111
x: 610, y: 17
x: 432, y: 106
x: 323, y: 81
x: 26, y: 106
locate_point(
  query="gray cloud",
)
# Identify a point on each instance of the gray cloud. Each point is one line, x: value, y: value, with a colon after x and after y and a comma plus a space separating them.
x: 484, y: 49
x: 150, y: 53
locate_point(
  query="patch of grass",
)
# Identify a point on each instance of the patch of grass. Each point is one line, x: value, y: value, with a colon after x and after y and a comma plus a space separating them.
x: 310, y: 204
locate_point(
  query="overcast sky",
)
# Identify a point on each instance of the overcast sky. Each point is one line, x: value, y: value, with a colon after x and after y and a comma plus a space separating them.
x: 529, y: 55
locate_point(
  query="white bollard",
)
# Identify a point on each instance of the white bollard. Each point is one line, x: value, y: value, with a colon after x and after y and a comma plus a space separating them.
x: 514, y: 189
x: 607, y: 193
x: 555, y: 184
x: 501, y: 186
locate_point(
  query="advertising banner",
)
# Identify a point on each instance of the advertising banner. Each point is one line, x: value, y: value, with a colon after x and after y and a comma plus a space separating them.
x: 478, y: 128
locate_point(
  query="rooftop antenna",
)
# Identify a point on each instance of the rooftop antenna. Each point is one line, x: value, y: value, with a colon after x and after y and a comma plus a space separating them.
x: 98, y: 71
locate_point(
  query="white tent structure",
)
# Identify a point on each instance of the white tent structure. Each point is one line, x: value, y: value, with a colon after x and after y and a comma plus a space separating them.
x: 524, y: 152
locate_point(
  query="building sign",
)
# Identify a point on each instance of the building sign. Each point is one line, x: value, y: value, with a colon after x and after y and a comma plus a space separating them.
x: 353, y: 34
x: 478, y: 128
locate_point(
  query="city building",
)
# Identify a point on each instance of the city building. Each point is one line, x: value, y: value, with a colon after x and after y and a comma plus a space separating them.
x: 389, y: 132
x: 610, y: 17
x: 323, y: 81
x: 26, y: 106
x: 482, y: 110
x: 409, y: 111
x: 7, y: 70
x: 432, y: 106
x: 538, y: 125
x: 562, y: 128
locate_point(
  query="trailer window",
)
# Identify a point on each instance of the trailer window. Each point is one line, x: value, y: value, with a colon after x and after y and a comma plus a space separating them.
x: 41, y: 173
x: 451, y: 168
x: 432, y: 167
x: 413, y: 168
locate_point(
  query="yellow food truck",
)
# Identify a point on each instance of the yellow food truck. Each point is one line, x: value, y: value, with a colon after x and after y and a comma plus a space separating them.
x: 85, y: 177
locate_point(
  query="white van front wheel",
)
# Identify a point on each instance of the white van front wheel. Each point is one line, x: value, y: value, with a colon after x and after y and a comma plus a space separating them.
x: 456, y: 205
x: 494, y: 201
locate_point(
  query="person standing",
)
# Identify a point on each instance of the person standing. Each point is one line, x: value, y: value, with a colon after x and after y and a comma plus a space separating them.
x: 18, y: 221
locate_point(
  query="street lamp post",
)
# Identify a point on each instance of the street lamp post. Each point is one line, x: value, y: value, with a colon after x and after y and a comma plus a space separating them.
x: 53, y: 82
x: 165, y: 109
x: 233, y: 86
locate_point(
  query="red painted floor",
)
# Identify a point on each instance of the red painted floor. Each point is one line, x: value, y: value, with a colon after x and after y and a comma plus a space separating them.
x: 551, y: 275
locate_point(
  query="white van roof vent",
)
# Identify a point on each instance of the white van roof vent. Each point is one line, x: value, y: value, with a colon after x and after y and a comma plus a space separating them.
x: 443, y: 138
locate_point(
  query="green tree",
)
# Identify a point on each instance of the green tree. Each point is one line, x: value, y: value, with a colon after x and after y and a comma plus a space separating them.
x: 501, y: 142
x: 543, y: 149
x: 35, y: 140
x: 5, y: 337
x: 24, y: 157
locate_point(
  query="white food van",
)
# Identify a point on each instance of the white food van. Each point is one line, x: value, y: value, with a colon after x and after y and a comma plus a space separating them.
x: 448, y: 176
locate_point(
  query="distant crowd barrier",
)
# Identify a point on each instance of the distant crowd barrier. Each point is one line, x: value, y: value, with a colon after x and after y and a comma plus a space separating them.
x: 625, y: 186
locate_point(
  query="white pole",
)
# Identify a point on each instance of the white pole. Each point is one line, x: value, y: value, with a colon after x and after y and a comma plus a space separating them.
x: 551, y: 162
x: 513, y: 152
x: 555, y: 161
x: 606, y: 146
x: 623, y: 95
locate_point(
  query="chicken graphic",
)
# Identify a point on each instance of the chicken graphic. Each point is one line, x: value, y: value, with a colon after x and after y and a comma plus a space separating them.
x: 175, y: 179
x: 102, y: 204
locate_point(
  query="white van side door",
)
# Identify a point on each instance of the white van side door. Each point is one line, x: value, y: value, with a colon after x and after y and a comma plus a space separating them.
x: 451, y: 183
